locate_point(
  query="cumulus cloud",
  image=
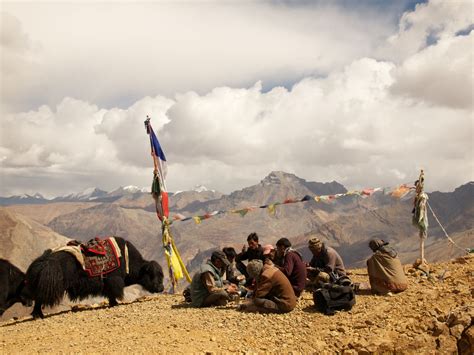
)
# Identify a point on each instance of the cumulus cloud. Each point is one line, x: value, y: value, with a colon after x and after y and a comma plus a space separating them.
x: 440, y: 74
x: 427, y: 24
x: 116, y: 55
x: 353, y: 115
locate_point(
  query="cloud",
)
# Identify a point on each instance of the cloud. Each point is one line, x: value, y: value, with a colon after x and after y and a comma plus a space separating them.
x: 426, y: 25
x: 116, y: 55
x: 350, y: 113
x: 440, y: 74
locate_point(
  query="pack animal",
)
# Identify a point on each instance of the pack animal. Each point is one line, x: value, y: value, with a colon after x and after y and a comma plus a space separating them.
x: 55, y: 273
x: 12, y: 282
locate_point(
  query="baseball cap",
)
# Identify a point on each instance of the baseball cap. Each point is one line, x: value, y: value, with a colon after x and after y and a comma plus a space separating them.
x: 220, y: 255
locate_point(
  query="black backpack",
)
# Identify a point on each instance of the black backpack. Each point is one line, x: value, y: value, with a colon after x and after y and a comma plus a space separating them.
x: 334, y: 297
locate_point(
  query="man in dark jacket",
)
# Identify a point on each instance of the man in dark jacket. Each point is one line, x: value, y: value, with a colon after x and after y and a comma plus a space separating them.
x: 273, y: 292
x: 293, y: 265
x: 233, y: 275
x: 254, y: 251
x: 207, y: 286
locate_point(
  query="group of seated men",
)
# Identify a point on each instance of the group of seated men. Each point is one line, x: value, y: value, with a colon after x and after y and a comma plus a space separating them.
x: 274, y: 278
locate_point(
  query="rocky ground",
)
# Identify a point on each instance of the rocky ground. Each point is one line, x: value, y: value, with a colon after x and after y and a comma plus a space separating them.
x: 435, y: 314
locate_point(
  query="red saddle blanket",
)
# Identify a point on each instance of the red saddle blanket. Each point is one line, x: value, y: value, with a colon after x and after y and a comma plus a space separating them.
x: 105, y: 259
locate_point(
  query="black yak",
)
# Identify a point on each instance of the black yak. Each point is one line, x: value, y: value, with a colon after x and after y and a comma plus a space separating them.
x: 55, y: 273
x: 12, y: 281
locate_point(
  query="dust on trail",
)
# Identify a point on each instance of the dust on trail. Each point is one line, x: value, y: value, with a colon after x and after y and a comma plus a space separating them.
x: 429, y: 316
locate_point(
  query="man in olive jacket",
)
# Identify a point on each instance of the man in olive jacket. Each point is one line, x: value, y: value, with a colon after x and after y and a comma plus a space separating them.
x: 207, y: 286
x: 273, y: 293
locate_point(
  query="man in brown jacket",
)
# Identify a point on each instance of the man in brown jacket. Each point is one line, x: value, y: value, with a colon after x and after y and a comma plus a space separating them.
x: 273, y: 293
x: 385, y: 270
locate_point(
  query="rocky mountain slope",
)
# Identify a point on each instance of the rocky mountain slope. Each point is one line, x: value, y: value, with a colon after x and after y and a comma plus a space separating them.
x: 22, y: 239
x: 435, y: 315
x: 136, y: 225
x: 346, y: 223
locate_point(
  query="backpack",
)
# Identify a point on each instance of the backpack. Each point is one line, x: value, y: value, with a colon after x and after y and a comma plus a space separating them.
x: 334, y: 297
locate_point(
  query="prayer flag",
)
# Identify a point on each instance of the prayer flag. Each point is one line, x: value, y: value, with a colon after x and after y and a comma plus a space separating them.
x: 158, y: 189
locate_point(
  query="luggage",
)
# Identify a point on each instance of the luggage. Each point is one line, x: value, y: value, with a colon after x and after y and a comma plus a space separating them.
x: 335, y: 296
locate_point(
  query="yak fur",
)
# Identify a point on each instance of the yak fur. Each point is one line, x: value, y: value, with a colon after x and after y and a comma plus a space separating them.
x: 53, y: 274
x: 12, y: 282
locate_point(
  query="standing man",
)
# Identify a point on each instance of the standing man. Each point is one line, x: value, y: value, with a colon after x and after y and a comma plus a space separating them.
x: 326, y: 264
x: 254, y: 251
x: 207, y: 286
x: 293, y: 265
x: 273, y: 292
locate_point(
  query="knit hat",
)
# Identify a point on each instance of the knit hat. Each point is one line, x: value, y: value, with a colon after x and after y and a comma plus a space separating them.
x: 254, y: 268
x: 376, y: 244
x: 267, y: 249
x: 315, y: 243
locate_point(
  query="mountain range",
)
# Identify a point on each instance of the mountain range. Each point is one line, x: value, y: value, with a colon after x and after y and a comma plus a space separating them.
x: 346, y: 223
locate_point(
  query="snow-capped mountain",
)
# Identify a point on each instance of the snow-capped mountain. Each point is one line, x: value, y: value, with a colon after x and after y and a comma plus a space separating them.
x: 23, y: 199
x: 89, y: 194
x: 201, y: 188
x: 130, y: 189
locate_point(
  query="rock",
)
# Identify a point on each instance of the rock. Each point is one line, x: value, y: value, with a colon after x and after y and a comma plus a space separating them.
x: 460, y: 260
x: 342, y: 329
x: 466, y: 343
x: 456, y: 330
x: 439, y: 328
x: 446, y: 344
x: 460, y: 317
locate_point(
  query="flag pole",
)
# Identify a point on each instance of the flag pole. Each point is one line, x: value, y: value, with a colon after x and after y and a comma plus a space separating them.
x: 176, y: 267
x: 420, y: 214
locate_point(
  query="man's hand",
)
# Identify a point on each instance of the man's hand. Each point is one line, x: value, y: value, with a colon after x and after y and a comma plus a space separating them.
x: 312, y: 271
x: 244, y: 248
x: 232, y: 289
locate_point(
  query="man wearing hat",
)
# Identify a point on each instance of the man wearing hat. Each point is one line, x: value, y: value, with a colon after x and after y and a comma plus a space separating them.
x: 273, y: 292
x: 326, y: 264
x: 207, y: 286
x: 385, y: 269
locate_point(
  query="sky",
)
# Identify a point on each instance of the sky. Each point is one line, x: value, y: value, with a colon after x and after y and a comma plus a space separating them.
x: 365, y: 93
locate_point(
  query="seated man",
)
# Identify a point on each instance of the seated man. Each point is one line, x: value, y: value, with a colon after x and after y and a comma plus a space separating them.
x: 273, y: 292
x: 326, y: 264
x: 268, y: 254
x: 254, y: 251
x: 207, y: 286
x: 385, y: 269
x: 232, y: 274
x: 293, y: 265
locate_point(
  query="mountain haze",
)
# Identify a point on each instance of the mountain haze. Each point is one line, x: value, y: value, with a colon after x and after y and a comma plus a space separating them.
x: 347, y: 223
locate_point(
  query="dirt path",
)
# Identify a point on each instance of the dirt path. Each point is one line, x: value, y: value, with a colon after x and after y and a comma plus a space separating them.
x: 417, y: 320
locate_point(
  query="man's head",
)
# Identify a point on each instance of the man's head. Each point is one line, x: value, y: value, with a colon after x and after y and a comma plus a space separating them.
x: 252, y: 240
x: 282, y: 244
x: 269, y: 251
x: 315, y: 245
x: 254, y: 268
x: 219, y: 259
x: 375, y: 244
x: 230, y: 253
